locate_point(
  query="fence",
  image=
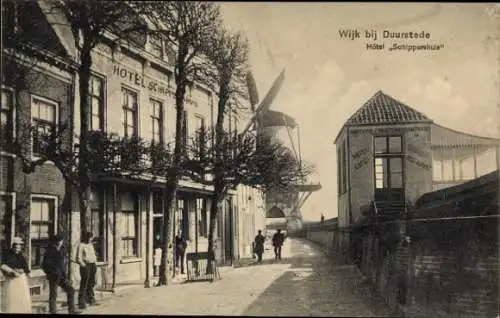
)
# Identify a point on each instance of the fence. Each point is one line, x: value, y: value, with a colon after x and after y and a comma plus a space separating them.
x: 449, y: 267
x: 201, y: 266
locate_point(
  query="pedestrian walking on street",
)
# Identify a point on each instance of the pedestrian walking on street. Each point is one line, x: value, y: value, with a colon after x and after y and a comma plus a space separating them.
x: 180, y: 251
x: 53, y: 266
x: 259, y: 245
x: 16, y: 294
x: 86, y: 257
x: 278, y: 239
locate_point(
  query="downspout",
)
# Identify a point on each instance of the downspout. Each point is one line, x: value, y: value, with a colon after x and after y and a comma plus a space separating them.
x: 115, y: 233
x: 68, y: 184
x: 147, y: 282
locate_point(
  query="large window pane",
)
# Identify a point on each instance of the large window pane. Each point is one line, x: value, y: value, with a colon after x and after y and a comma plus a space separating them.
x: 395, y: 144
x: 396, y: 180
x: 380, y: 144
x: 42, y: 213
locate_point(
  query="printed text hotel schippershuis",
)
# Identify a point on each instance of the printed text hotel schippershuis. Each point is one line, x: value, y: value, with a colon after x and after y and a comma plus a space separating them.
x: 409, y: 41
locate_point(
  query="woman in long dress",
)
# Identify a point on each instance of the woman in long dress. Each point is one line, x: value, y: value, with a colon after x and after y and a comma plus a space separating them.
x: 16, y: 294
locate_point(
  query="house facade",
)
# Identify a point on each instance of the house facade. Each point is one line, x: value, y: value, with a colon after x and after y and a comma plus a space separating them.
x: 389, y: 154
x: 131, y: 92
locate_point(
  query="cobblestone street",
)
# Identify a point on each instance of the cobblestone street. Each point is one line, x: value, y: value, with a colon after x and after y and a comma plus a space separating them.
x: 305, y: 282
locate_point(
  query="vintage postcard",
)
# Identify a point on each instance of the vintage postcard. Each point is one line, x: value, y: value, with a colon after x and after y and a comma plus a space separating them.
x: 250, y: 159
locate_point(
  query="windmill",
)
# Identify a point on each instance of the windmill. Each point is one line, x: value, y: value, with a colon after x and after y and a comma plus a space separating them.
x: 265, y: 118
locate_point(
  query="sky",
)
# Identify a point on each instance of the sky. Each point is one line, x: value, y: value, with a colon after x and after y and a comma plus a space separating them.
x: 329, y: 77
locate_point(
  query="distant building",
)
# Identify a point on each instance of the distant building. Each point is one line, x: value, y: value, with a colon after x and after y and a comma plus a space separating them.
x: 389, y: 154
x: 132, y: 95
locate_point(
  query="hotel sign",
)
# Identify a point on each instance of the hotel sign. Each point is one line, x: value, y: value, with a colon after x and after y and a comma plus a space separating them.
x: 140, y: 80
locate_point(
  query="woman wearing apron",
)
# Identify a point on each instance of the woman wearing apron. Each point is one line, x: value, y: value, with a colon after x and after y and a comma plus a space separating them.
x: 15, y: 268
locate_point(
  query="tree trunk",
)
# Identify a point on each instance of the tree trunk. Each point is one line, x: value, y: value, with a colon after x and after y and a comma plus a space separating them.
x: 174, y: 172
x: 167, y: 255
x: 83, y: 163
x: 214, y: 209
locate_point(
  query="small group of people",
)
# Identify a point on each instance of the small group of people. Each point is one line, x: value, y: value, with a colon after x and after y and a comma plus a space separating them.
x: 16, y: 296
x: 277, y: 240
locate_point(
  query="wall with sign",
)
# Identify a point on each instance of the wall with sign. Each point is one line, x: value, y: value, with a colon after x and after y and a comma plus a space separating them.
x: 361, y: 171
x: 418, y: 162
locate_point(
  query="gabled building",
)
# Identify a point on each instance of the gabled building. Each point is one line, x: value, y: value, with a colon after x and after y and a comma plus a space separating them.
x: 131, y: 95
x: 37, y: 91
x: 389, y: 155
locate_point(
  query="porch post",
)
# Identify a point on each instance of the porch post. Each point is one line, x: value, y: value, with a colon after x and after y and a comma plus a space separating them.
x: 115, y: 235
x: 497, y: 153
x: 198, y: 207
x: 149, y: 202
x: 475, y: 161
x: 453, y: 165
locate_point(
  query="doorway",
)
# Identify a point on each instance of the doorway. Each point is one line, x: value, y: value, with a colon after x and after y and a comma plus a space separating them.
x: 389, y: 168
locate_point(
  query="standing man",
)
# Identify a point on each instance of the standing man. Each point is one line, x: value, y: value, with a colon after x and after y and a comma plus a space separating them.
x: 86, y: 257
x: 278, y: 239
x: 53, y: 266
x: 180, y: 251
x: 259, y: 246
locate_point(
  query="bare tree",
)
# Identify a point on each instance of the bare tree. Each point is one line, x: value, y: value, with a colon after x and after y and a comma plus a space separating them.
x: 245, y: 158
x: 185, y: 26
x: 92, y: 22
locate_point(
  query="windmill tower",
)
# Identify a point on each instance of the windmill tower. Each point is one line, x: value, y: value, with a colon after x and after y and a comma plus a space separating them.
x: 280, y: 204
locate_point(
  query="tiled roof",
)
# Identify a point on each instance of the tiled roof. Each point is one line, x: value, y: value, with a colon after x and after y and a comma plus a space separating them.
x: 382, y: 109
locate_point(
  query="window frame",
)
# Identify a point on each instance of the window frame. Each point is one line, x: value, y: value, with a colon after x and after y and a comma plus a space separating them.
x: 387, y: 156
x: 55, y: 128
x: 11, y: 116
x: 102, y: 103
x: 135, y: 239
x: 55, y: 201
x: 156, y: 42
x: 102, y: 256
x: 134, y: 111
x: 12, y: 224
x: 159, y: 119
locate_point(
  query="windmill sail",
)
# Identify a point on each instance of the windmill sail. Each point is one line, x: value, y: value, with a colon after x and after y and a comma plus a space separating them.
x: 268, y: 100
x: 252, y: 90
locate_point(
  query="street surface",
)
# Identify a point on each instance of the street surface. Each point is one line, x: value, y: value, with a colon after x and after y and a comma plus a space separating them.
x: 305, y: 282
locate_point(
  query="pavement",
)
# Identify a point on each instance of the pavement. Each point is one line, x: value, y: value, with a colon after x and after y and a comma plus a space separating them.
x: 306, y: 282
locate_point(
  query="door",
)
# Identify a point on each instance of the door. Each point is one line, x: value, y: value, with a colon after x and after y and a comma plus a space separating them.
x: 228, y: 232
x: 388, y: 167
x: 389, y: 179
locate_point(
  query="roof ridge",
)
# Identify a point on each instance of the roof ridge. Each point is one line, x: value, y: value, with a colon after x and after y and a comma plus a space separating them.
x: 383, y: 108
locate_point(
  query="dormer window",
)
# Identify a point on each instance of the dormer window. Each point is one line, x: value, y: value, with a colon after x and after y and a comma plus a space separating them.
x: 156, y: 46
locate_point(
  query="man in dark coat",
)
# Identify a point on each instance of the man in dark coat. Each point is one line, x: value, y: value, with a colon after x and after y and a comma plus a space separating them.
x: 259, y: 245
x: 53, y: 266
x: 180, y: 251
x: 278, y: 239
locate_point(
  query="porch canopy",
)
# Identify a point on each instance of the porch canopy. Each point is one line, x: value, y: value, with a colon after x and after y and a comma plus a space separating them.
x: 458, y: 156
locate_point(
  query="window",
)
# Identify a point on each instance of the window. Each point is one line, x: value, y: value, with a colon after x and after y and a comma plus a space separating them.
x: 185, y: 128
x: 339, y: 171
x: 156, y: 46
x: 6, y: 217
x: 97, y: 224
x: 388, y: 173
x: 156, y: 120
x: 130, y: 226
x: 41, y: 228
x: 130, y: 128
x: 96, y: 121
x: 201, y: 209
x: 384, y: 145
x: 7, y: 117
x: 344, y: 167
x: 200, y: 133
x: 44, y: 122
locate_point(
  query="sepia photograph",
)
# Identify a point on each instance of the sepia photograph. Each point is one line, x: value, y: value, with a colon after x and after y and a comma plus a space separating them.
x: 276, y: 158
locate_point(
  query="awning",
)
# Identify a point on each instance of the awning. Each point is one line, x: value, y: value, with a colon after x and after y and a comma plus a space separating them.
x: 446, y: 137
